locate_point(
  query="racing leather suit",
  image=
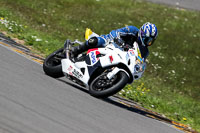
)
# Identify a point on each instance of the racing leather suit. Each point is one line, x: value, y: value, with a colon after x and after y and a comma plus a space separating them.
x: 128, y: 34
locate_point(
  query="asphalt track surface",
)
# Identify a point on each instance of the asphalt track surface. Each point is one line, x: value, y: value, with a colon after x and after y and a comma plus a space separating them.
x: 31, y: 102
x: 188, y: 4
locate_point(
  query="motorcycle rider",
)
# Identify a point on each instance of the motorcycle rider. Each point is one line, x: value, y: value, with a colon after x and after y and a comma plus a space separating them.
x: 145, y: 36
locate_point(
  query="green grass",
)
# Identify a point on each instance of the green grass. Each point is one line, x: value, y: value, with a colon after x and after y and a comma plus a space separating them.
x: 172, y: 74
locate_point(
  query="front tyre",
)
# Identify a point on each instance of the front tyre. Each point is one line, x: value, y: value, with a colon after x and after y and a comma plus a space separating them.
x: 52, y: 64
x: 102, y: 87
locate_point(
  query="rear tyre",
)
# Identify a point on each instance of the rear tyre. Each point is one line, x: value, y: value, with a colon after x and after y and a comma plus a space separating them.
x: 102, y: 87
x: 52, y: 64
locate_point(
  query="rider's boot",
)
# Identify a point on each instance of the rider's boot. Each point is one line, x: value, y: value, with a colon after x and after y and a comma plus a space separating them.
x: 91, y: 43
x: 75, y: 51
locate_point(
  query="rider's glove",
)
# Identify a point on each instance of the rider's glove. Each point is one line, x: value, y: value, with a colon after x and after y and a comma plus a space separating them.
x: 119, y: 41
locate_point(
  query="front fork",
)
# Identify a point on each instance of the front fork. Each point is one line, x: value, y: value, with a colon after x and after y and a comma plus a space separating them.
x: 114, y: 71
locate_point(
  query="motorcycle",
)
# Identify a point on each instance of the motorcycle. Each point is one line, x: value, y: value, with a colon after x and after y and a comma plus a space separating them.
x: 104, y: 71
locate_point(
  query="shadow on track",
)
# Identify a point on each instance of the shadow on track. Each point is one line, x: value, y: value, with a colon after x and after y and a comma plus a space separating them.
x: 74, y: 85
x: 119, y: 104
x: 130, y: 106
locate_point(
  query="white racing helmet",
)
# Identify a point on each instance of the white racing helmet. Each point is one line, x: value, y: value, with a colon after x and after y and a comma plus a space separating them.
x: 148, y: 34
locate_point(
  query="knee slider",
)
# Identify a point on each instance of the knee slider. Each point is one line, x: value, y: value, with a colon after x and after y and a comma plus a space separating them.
x: 92, y: 42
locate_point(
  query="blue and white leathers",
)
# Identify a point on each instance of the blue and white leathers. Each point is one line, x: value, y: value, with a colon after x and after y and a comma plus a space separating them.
x: 128, y: 30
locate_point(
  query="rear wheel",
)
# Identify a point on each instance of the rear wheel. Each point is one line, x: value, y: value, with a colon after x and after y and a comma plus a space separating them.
x: 103, y: 87
x: 52, y: 64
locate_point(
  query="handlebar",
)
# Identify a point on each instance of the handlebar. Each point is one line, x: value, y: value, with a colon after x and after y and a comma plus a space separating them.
x: 122, y: 44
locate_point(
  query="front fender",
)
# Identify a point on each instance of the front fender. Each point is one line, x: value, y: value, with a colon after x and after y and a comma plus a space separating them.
x: 116, y: 60
x: 128, y: 72
x: 114, y: 72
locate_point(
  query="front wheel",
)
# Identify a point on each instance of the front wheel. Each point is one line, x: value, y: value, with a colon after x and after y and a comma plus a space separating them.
x: 102, y: 87
x: 52, y: 64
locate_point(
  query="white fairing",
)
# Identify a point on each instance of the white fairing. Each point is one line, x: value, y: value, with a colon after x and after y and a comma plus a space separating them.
x: 113, y: 55
x: 73, y: 69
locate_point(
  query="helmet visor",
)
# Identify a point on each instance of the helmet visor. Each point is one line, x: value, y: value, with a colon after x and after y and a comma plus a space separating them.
x: 148, y: 41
